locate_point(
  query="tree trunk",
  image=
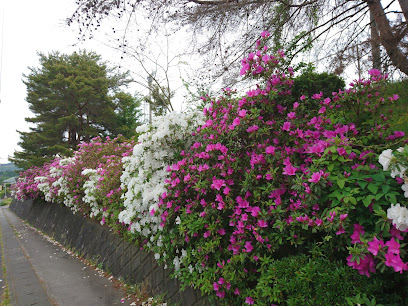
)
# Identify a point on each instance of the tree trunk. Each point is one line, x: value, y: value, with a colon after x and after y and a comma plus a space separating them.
x: 404, y: 8
x: 387, y: 37
x: 375, y: 44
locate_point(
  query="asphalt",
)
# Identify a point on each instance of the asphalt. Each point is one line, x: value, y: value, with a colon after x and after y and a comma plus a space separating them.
x: 39, y: 272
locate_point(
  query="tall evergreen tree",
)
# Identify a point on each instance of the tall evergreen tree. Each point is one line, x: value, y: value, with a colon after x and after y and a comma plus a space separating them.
x: 128, y: 113
x: 71, y: 97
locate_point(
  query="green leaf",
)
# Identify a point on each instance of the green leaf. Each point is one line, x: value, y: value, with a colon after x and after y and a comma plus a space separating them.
x: 330, y: 167
x: 373, y: 188
x: 392, y: 198
x: 363, y: 184
x: 385, y: 188
x: 379, y: 177
x: 379, y: 196
x: 376, y: 207
x: 341, y: 183
x: 367, y: 200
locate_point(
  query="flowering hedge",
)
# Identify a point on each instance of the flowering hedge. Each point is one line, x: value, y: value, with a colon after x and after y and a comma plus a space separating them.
x: 88, y: 182
x: 145, y: 174
x: 254, y: 199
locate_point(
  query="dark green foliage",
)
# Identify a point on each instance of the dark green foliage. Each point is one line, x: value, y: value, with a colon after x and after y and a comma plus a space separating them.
x: 128, y: 113
x: 310, y: 83
x: 71, y: 99
x: 304, y: 280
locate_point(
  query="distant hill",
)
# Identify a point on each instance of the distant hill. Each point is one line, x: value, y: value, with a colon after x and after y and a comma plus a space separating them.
x: 8, y: 167
x: 7, y: 171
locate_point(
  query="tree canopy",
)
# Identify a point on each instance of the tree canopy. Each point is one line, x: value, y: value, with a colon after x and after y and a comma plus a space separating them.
x: 71, y: 97
x: 224, y: 29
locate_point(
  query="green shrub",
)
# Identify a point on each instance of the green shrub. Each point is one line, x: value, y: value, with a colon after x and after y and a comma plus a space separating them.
x: 306, y: 280
x: 310, y: 83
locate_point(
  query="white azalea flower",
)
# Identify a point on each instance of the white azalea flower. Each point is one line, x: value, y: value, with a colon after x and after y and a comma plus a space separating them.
x: 145, y: 171
x: 385, y: 159
x: 399, y: 216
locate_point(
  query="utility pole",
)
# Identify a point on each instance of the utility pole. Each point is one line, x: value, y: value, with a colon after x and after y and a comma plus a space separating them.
x: 1, y: 52
x: 149, y: 83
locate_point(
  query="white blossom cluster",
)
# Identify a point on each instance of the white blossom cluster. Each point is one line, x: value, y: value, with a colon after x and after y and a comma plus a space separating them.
x: 62, y: 185
x: 399, y: 216
x: 397, y: 213
x: 90, y: 187
x: 44, y: 186
x: 390, y: 162
x: 145, y: 170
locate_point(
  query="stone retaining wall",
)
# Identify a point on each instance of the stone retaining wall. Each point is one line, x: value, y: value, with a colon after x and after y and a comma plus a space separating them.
x: 100, y: 245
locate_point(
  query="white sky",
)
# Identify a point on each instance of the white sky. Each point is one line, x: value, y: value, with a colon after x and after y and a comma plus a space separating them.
x: 30, y: 27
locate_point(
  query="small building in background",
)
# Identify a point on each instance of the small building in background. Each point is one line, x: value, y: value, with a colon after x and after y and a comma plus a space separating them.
x: 6, y: 186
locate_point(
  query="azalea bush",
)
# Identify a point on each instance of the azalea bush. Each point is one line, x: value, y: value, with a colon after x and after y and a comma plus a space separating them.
x: 145, y: 171
x: 267, y: 178
x: 69, y: 181
x: 26, y: 186
x: 261, y: 199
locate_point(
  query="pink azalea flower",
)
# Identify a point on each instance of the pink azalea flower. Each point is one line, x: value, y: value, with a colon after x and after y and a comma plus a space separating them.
x: 358, y: 230
x: 226, y: 190
x: 262, y: 223
x: 217, y: 183
x: 255, y: 211
x: 286, y: 126
x: 270, y: 150
x: 291, y: 115
x: 289, y: 170
x: 366, y: 265
x: 374, y: 246
x: 316, y: 176
x: 249, y: 300
x: 340, y: 231
x: 395, y: 261
x: 248, y: 247
x: 393, y: 246
x: 221, y: 294
x: 374, y: 72
x: 221, y: 206
x: 341, y: 151
x: 222, y: 232
x: 242, y: 113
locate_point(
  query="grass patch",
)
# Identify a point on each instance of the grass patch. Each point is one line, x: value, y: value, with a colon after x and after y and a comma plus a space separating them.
x: 399, y: 110
x: 5, y: 202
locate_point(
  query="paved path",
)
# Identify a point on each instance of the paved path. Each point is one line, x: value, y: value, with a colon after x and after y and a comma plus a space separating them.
x: 41, y: 273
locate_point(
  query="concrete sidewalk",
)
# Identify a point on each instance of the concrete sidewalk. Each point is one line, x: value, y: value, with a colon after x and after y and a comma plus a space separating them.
x: 41, y: 273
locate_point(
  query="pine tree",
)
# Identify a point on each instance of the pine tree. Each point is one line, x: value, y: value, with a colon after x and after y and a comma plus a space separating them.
x: 71, y: 97
x: 128, y: 113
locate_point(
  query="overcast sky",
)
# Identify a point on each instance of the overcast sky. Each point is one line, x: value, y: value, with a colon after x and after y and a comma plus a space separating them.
x: 28, y: 27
